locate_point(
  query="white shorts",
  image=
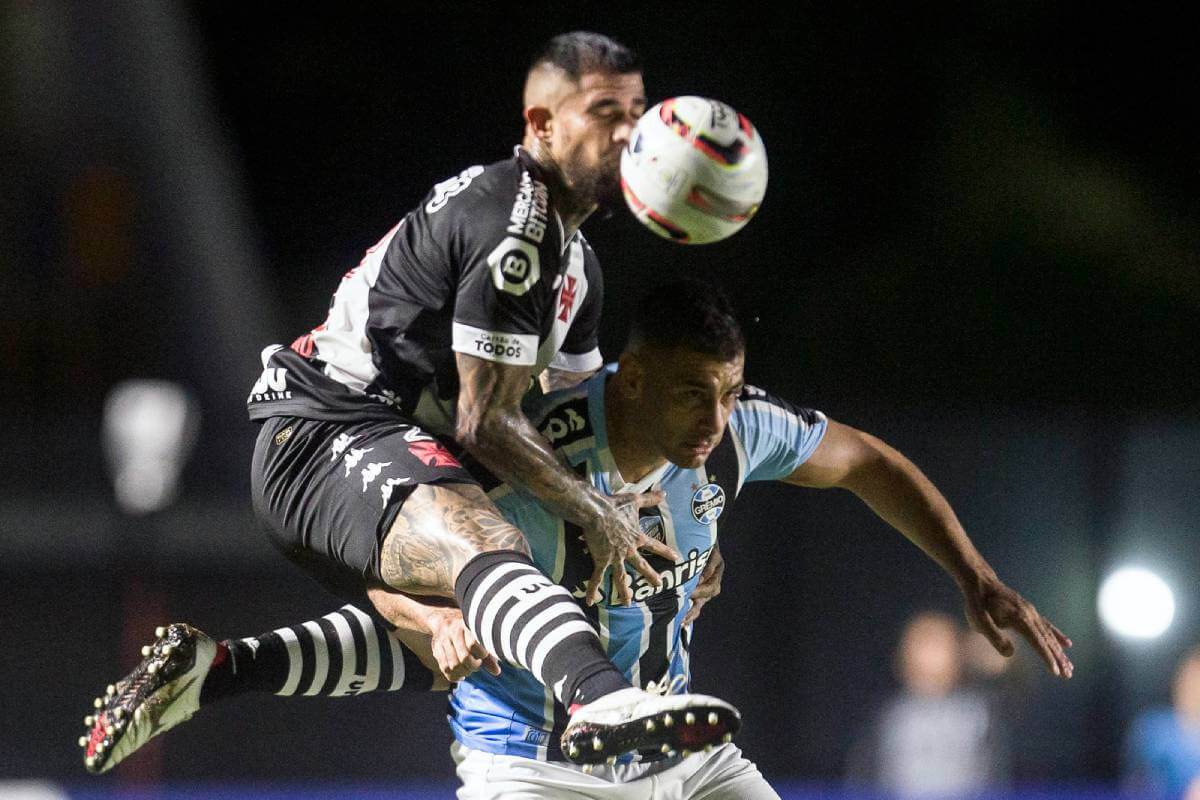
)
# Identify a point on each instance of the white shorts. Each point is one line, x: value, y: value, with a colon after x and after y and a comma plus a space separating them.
x: 716, y: 775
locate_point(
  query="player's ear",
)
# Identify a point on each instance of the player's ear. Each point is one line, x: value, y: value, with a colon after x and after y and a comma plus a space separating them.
x: 538, y: 122
x: 631, y: 375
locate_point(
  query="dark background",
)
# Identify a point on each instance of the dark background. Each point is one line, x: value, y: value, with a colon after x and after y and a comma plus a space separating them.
x: 979, y: 242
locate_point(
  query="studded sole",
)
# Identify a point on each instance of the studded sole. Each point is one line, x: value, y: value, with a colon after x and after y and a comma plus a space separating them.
x: 171, y: 655
x: 672, y: 733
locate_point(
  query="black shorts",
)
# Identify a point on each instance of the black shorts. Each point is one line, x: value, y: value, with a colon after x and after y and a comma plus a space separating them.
x: 329, y: 491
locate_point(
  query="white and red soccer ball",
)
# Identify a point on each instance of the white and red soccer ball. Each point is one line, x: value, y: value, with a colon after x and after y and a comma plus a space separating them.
x: 695, y: 170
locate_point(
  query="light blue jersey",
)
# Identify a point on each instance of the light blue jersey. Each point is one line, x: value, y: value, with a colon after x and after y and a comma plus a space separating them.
x: 767, y: 439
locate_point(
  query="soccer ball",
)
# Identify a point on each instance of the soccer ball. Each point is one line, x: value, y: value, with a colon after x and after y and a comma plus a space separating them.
x: 695, y: 170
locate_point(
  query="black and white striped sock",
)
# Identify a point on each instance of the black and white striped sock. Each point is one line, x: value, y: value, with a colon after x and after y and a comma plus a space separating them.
x: 348, y: 652
x: 524, y: 618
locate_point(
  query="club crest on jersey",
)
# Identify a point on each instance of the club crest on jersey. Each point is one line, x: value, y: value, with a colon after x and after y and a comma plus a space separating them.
x: 652, y: 526
x: 433, y: 454
x: 707, y: 503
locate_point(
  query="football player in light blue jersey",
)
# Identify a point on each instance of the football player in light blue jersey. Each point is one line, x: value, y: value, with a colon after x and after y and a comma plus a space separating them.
x: 674, y: 421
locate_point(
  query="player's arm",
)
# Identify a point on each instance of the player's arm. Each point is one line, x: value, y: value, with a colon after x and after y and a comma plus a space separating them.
x: 493, y: 428
x: 900, y: 494
x: 436, y: 633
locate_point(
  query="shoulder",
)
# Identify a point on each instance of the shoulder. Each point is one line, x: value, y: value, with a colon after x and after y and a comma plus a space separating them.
x: 757, y: 408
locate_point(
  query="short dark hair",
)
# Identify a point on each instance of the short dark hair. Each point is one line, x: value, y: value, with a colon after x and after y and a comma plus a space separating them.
x: 689, y: 314
x: 580, y: 52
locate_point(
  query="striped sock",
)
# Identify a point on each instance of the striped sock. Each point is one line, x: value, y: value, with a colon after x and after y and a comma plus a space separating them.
x: 342, y: 654
x: 524, y: 618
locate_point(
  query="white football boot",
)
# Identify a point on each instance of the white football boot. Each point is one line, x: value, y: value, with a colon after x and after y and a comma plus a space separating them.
x: 649, y: 720
x: 161, y: 692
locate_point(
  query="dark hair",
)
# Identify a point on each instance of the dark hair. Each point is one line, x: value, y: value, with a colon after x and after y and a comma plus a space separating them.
x: 688, y: 314
x: 580, y: 52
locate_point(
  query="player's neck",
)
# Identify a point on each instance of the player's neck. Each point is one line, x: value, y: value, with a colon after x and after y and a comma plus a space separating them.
x: 572, y: 210
x: 631, y: 454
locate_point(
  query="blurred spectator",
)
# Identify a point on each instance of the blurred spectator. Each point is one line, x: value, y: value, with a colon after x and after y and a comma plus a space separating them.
x: 937, y: 737
x: 1163, y: 747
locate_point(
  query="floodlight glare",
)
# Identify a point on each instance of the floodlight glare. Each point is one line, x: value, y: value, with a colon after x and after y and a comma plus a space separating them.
x: 1136, y: 603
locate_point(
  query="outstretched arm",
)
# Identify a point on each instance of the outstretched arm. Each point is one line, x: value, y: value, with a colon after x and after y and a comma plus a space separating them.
x: 493, y: 428
x: 904, y: 498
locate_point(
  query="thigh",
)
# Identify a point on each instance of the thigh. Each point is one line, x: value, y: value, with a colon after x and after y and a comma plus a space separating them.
x: 725, y: 774
x: 328, y: 492
x: 493, y: 777
x: 438, y: 529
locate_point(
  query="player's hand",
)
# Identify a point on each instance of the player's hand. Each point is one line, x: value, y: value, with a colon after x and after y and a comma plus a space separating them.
x: 618, y: 540
x: 708, y: 587
x: 455, y: 648
x: 991, y: 606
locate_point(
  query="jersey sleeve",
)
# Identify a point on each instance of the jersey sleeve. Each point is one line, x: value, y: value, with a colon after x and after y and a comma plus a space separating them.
x: 580, y: 351
x: 506, y: 259
x: 774, y: 435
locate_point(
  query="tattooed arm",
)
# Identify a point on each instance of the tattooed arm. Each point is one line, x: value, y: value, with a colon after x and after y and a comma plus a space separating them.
x: 492, y: 427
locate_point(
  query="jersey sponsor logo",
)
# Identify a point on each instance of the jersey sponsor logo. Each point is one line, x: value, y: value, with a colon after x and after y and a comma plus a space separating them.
x: 566, y: 421
x: 515, y: 266
x: 505, y: 348
x: 271, y: 385
x: 676, y: 576
x: 707, y: 503
x: 652, y: 526
x: 433, y: 454
x: 442, y: 192
x: 566, y: 299
x: 530, y: 210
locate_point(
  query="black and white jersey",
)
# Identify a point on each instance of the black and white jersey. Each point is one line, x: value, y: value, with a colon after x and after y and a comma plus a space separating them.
x: 479, y: 267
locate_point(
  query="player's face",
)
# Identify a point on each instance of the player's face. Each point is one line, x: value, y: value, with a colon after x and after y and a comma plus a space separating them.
x: 689, y: 397
x: 592, y: 124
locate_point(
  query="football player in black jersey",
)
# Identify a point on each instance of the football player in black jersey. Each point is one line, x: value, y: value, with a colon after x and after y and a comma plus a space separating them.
x: 428, y: 348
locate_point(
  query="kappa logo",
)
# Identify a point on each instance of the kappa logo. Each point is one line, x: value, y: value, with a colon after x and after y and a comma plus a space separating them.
x: 707, y: 503
x: 271, y: 385
x: 371, y: 472
x: 515, y: 266
x: 353, y: 457
x: 340, y: 444
x: 387, y: 486
x: 442, y: 192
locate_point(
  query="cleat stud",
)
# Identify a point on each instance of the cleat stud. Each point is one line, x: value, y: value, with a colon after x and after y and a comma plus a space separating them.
x: 671, y: 753
x: 727, y: 738
x: 110, y: 690
x: 90, y: 762
x: 687, y: 753
x: 168, y: 649
x: 587, y: 769
x: 97, y: 702
x: 152, y: 668
x: 88, y: 720
x: 713, y: 719
x: 597, y: 744
x: 573, y: 751
x: 649, y: 726
x: 708, y: 748
x: 666, y: 748
x: 611, y: 760
x: 159, y: 631
x: 667, y: 721
x: 689, y: 718
x: 83, y: 740
x: 146, y: 650
x: 109, y: 730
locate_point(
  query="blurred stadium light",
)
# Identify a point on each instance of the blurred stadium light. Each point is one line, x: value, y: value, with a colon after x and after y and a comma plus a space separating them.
x: 150, y: 429
x: 1135, y: 603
